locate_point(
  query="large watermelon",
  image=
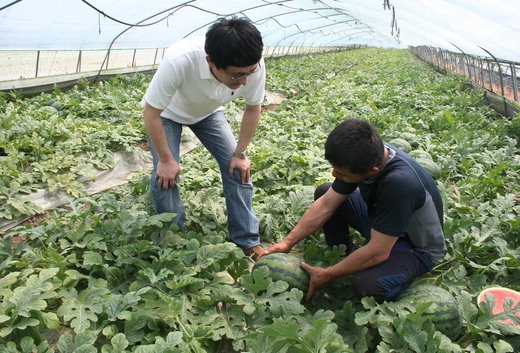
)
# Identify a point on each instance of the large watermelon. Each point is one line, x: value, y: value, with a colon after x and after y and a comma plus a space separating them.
x: 285, y: 267
x: 433, y: 168
x: 500, y: 294
x: 420, y: 154
x: 401, y: 144
x: 445, y: 314
x: 410, y: 137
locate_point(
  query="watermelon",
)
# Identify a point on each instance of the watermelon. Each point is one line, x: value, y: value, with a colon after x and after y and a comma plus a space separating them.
x: 500, y: 294
x: 420, y: 154
x: 433, y: 168
x: 55, y: 104
x: 410, y: 137
x: 445, y: 314
x: 285, y: 267
x: 401, y: 144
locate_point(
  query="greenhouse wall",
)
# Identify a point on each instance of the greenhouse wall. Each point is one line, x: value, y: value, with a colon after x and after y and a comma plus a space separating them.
x: 20, y: 65
x: 33, y: 72
x: 498, y: 76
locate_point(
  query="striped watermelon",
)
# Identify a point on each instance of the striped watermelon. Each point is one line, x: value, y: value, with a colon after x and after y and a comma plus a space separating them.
x: 420, y: 154
x: 401, y: 144
x: 433, y: 168
x: 410, y: 137
x: 445, y: 314
x: 285, y: 267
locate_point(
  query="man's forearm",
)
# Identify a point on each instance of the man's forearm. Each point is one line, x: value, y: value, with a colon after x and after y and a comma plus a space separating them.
x: 250, y: 121
x: 375, y: 252
x: 311, y: 221
x: 354, y: 262
x: 153, y: 124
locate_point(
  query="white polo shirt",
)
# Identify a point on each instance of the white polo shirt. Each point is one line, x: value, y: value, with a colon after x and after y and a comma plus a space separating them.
x: 186, y: 90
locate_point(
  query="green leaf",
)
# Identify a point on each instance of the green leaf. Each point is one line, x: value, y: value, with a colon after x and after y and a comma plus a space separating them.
x: 300, y: 334
x: 91, y: 258
x: 281, y: 302
x: 80, y: 343
x: 257, y: 281
x: 82, y: 309
x: 33, y: 295
x: 212, y: 255
x: 281, y: 328
x: 7, y: 281
x: 50, y: 320
x: 119, y: 306
x: 118, y: 344
x: 179, y: 282
x: 27, y: 345
x: 6, y: 331
x: 23, y: 323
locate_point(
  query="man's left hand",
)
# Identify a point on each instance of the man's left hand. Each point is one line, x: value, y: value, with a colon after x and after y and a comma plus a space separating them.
x: 319, y: 279
x: 243, y: 165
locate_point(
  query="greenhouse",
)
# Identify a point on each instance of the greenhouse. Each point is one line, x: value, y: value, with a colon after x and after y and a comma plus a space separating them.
x: 196, y: 176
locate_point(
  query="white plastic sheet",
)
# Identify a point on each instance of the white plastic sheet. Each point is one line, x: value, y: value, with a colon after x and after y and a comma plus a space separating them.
x: 474, y: 26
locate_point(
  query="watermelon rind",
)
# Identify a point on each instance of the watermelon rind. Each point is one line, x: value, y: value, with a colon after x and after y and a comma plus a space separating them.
x: 431, y: 167
x: 445, y: 314
x: 410, y: 138
x: 401, y: 144
x: 500, y: 294
x: 420, y: 154
x: 285, y: 267
x: 506, y: 293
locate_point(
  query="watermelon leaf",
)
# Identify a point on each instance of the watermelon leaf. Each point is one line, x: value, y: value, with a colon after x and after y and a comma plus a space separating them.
x: 279, y: 301
x: 82, y: 309
x: 257, y: 281
x: 118, y: 344
x: 82, y: 342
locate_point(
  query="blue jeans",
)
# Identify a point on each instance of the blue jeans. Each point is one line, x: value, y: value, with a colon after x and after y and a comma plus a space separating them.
x: 215, y: 133
x: 383, y: 281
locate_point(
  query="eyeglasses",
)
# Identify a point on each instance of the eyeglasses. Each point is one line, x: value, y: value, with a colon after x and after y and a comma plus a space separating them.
x: 238, y: 77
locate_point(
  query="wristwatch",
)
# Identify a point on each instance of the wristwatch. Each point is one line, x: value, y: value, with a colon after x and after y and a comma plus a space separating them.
x: 241, y: 155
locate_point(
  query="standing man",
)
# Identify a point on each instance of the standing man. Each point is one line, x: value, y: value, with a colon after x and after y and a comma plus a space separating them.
x: 194, y: 80
x: 386, y: 196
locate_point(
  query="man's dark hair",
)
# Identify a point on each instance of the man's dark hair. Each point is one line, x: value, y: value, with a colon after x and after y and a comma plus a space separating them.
x: 354, y: 145
x: 233, y: 42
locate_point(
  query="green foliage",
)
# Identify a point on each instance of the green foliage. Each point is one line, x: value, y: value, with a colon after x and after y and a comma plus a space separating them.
x: 303, y: 335
x: 53, y: 139
x: 105, y: 274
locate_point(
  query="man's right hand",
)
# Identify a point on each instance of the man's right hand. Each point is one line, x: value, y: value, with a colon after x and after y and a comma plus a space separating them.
x: 278, y: 247
x: 167, y: 174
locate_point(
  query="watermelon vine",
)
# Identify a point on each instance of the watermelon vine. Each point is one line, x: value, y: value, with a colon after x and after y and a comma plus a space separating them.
x: 105, y: 274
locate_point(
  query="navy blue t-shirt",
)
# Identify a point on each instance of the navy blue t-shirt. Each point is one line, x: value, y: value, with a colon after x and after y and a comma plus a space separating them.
x: 403, y: 200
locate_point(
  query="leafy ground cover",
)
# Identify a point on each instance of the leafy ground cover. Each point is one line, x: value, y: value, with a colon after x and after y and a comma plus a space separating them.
x: 107, y: 275
x: 53, y: 139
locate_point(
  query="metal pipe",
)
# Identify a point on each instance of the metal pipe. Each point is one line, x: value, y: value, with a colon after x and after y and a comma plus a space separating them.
x: 506, y: 110
x: 37, y: 63
x: 515, y: 82
x: 78, y: 63
x: 155, y: 56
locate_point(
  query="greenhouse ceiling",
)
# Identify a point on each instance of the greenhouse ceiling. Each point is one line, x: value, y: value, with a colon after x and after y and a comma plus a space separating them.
x: 480, y: 27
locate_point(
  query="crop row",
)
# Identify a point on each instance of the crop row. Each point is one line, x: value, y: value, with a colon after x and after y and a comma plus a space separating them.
x: 106, y: 274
